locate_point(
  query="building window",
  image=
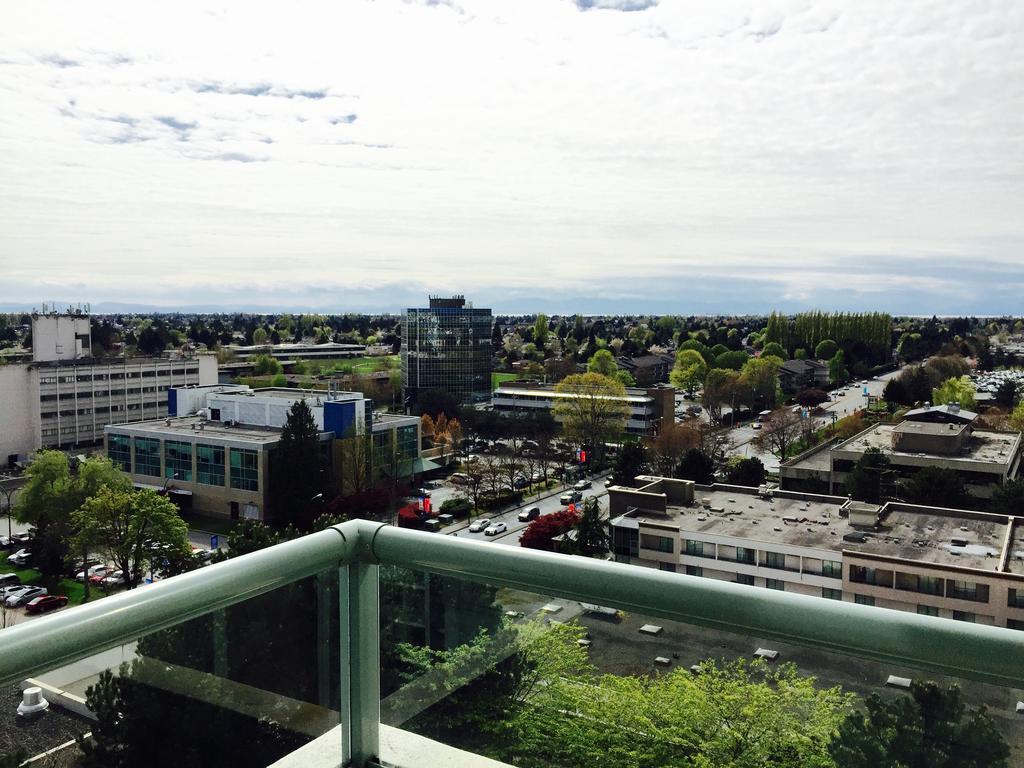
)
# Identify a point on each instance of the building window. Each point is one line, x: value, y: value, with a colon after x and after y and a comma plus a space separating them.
x: 966, y: 590
x: 1014, y: 624
x: 832, y: 569
x: 119, y: 451
x: 963, y: 616
x: 775, y: 560
x: 1015, y: 599
x: 178, y: 460
x: 691, y: 570
x: 670, y: 567
x: 695, y: 548
x: 210, y: 464
x: 832, y: 594
x: 778, y: 584
x: 863, y: 600
x: 147, y: 456
x: 744, y: 555
x: 245, y: 473
x: 659, y: 543
x: 860, y: 574
x: 743, y: 578
x: 927, y: 610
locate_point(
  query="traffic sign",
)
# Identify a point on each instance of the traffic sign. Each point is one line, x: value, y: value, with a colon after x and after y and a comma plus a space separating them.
x: 214, y: 541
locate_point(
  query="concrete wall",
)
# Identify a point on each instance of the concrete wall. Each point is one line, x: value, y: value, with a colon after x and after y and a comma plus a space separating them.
x: 19, y: 411
x: 60, y: 337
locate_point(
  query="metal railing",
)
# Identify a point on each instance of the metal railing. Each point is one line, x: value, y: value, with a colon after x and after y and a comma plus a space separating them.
x: 356, y: 548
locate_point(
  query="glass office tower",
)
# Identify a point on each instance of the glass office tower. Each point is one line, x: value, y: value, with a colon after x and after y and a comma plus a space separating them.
x: 447, y: 347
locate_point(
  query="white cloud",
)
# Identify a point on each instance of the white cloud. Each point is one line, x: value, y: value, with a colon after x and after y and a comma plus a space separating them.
x: 527, y: 144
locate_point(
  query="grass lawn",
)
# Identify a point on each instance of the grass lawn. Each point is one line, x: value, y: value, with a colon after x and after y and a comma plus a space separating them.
x: 73, y: 589
x: 497, y: 378
x: 222, y: 526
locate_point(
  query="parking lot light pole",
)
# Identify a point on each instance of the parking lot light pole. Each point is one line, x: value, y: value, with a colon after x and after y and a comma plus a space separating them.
x: 10, y: 509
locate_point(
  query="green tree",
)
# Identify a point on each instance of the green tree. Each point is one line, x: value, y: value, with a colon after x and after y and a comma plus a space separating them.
x: 868, y: 480
x: 265, y: 365
x: 630, y: 462
x: 130, y: 528
x: 895, y: 393
x: 760, y: 376
x: 689, y: 371
x: 721, y: 387
x: 1007, y: 394
x: 697, y: 466
x: 837, y: 370
x: 595, y: 411
x: 603, y: 363
x: 1016, y: 420
x: 929, y: 728
x: 800, y: 354
x: 959, y: 390
x: 774, y: 349
x: 540, y: 330
x: 825, y: 350
x: 749, y: 472
x: 733, y: 360
x: 54, y: 491
x: 741, y: 714
x: 934, y: 487
x: 700, y: 347
x: 259, y: 336
x: 1008, y: 498
x: 296, y: 471
x: 591, y: 531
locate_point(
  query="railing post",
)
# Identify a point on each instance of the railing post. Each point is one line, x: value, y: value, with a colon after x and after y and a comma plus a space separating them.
x: 360, y: 663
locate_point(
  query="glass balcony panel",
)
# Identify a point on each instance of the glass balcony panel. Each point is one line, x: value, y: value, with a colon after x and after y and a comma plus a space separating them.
x: 242, y: 686
x: 530, y: 680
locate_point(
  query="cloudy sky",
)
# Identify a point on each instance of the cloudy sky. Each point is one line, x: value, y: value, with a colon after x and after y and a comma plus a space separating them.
x: 596, y: 155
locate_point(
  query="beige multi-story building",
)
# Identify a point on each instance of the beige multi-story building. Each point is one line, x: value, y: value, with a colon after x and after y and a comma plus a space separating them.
x: 956, y: 564
x: 648, y: 407
x: 942, y: 437
x: 64, y: 397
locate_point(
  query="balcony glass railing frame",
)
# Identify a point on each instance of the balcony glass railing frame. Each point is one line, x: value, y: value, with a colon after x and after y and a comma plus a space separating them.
x: 985, y: 653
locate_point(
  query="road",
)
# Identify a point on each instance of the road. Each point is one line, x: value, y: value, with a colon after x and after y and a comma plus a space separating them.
x: 547, y: 505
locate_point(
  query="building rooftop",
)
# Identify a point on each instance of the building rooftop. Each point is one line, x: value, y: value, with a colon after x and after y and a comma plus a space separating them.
x: 925, y: 534
x: 189, y: 426
x: 985, y: 447
x: 929, y: 428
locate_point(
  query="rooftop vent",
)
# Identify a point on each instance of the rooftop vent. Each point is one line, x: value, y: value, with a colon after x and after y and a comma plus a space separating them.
x: 855, y: 538
x: 958, y: 542
x: 32, y: 702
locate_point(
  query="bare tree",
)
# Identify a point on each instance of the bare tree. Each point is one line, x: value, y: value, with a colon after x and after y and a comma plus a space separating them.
x: 511, y: 467
x: 669, y: 446
x: 491, y: 468
x: 781, y: 429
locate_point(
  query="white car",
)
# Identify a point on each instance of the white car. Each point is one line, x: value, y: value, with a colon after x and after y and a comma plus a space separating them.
x: 93, y: 570
x: 582, y: 485
x: 114, y: 579
x: 494, y: 530
x: 756, y: 425
x: 479, y: 525
x: 23, y: 595
x: 20, y: 558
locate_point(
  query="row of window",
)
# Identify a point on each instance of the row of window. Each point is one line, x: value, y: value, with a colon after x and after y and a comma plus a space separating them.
x: 926, y: 585
x: 777, y: 560
x: 120, y: 376
x: 177, y: 461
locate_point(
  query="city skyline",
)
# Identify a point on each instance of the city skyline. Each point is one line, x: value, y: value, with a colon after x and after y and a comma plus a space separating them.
x: 609, y: 156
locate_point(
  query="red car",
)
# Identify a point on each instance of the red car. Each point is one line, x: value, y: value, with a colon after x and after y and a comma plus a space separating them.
x: 46, y: 603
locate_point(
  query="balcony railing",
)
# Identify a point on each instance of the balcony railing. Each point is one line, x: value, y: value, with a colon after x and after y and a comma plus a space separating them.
x: 356, y: 548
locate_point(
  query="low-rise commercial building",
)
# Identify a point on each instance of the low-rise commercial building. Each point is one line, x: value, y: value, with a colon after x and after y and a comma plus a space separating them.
x: 956, y: 564
x: 648, y: 370
x: 798, y: 375
x: 214, y: 450
x: 648, y: 408
x: 64, y: 398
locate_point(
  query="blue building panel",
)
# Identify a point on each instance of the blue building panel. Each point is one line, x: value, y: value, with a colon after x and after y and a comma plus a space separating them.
x: 172, y: 402
x: 340, y: 418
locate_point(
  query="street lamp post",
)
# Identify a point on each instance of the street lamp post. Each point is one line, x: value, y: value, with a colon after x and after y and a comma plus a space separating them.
x: 10, y: 509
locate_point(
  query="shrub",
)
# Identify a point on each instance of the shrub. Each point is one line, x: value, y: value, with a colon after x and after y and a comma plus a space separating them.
x: 811, y: 398
x: 457, y: 507
x: 540, y: 533
x: 409, y: 517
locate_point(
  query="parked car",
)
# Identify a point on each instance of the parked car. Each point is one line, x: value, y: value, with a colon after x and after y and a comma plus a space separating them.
x: 21, y: 558
x: 97, y: 578
x: 45, y: 603
x: 495, y: 529
x: 10, y: 589
x: 520, y: 482
x: 694, y: 410
x: 23, y: 595
x: 25, y: 537
x: 537, y: 477
x: 479, y: 524
x: 529, y: 514
x: 90, y: 572
x: 570, y: 498
x: 458, y: 478
x: 113, y: 579
x: 756, y: 425
x: 202, y: 556
x: 6, y: 543
x: 9, y: 580
x: 582, y: 485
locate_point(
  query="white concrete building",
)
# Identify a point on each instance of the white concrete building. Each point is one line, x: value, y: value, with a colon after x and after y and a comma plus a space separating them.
x: 64, y: 398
